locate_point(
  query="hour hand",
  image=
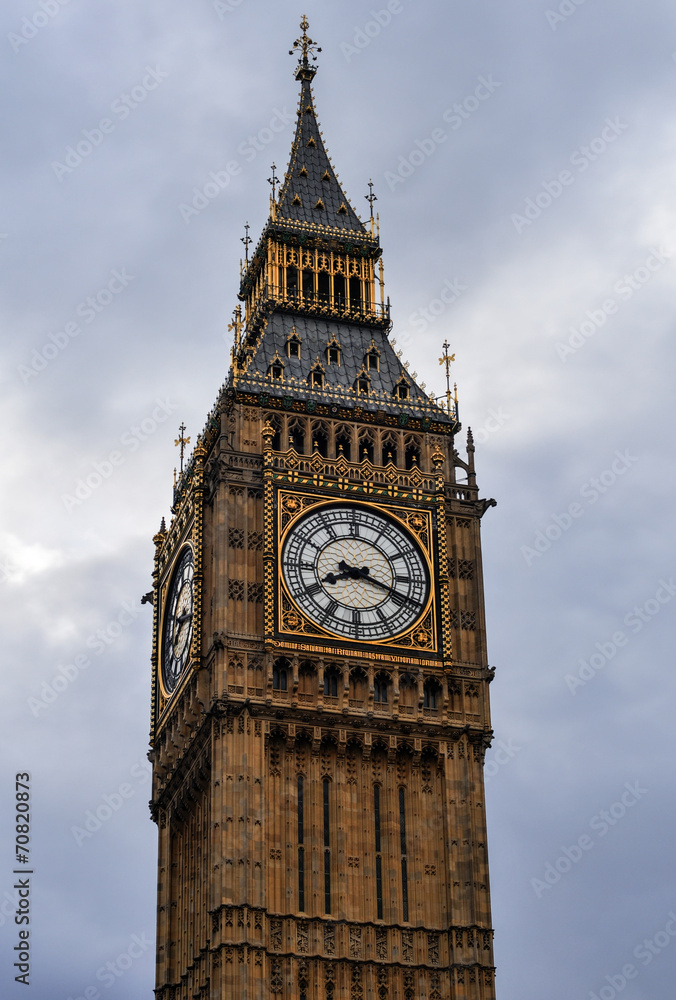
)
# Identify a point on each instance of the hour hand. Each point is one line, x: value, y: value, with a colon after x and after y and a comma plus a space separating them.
x: 354, y: 572
x: 346, y: 572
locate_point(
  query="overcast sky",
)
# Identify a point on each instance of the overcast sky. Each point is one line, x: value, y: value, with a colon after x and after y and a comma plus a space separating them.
x: 522, y: 155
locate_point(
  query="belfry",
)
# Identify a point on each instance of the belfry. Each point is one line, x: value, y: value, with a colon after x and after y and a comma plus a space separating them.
x: 320, y: 708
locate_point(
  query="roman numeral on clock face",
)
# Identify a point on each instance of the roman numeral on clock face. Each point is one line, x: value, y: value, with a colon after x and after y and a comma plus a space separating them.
x: 330, y: 610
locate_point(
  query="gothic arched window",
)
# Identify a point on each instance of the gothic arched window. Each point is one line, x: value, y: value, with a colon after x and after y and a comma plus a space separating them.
x: 280, y: 674
x: 381, y: 686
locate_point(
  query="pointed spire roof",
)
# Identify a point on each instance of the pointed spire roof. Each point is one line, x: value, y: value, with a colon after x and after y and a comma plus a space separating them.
x: 292, y: 323
x: 311, y: 192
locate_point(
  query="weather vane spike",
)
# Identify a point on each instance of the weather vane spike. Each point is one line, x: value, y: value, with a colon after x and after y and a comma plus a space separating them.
x: 306, y: 45
x: 246, y: 240
x: 274, y: 180
x: 181, y: 441
x: 371, y: 197
x: 446, y: 359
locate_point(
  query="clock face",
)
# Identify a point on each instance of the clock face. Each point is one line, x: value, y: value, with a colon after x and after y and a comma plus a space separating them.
x: 355, y: 572
x: 177, y: 634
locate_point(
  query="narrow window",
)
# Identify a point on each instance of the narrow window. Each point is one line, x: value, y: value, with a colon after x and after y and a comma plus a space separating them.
x: 279, y: 677
x: 331, y: 684
x: 293, y: 348
x: 355, y: 294
x: 366, y: 446
x: 334, y: 356
x: 344, y: 446
x: 301, y: 848
x: 363, y: 385
x: 339, y: 289
x: 404, y: 872
x: 389, y: 452
x: 380, y: 690
x: 320, y: 440
x: 323, y: 286
x: 379, y: 856
x: 277, y: 439
x: 412, y: 456
x: 297, y: 438
x: 327, y: 850
x: 430, y: 695
x: 291, y: 282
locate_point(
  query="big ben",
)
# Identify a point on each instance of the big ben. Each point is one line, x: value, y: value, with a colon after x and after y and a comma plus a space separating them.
x: 320, y: 708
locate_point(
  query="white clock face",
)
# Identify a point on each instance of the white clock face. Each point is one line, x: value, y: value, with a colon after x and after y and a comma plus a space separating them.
x: 178, y: 622
x: 355, y: 572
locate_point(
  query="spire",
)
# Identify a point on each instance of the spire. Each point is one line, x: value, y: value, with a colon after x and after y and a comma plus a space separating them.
x: 310, y: 192
x: 315, y: 325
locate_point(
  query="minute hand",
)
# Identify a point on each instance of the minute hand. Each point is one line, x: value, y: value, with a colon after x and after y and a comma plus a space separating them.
x: 364, y: 574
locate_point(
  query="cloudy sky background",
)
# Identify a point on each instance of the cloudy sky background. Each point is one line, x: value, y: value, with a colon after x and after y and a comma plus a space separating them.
x: 549, y: 420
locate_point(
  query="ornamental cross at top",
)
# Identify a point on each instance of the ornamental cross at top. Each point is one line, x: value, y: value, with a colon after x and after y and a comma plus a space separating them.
x: 181, y: 441
x: 446, y: 359
x: 307, y: 47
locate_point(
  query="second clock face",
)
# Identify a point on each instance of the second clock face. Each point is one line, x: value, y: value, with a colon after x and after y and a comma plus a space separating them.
x: 355, y: 572
x: 178, y: 622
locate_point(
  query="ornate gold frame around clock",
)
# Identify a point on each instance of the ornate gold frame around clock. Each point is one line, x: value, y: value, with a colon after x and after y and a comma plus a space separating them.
x: 291, y: 624
x: 164, y: 610
x: 186, y: 530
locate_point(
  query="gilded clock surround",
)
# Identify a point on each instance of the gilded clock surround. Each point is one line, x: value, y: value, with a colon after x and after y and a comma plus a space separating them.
x: 292, y: 507
x: 319, y: 801
x: 178, y: 593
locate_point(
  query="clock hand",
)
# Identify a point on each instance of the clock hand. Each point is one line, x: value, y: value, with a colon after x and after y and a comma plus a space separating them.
x: 364, y: 574
x: 355, y: 573
x: 347, y: 572
x: 178, y: 630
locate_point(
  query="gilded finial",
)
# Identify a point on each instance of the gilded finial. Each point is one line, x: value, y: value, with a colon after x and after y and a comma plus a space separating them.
x: 246, y: 240
x: 274, y: 181
x: 307, y: 47
x: 371, y: 197
x: 236, y: 327
x: 158, y: 538
x: 446, y: 359
x: 180, y: 442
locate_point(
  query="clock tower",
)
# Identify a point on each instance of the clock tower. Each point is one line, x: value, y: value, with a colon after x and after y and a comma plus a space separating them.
x: 320, y: 678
